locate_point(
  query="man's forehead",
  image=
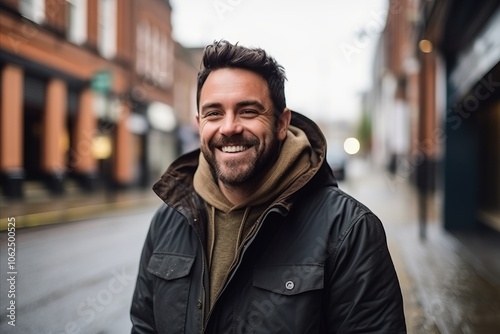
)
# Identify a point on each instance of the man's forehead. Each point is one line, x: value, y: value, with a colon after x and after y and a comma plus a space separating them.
x: 238, y: 85
x: 226, y: 75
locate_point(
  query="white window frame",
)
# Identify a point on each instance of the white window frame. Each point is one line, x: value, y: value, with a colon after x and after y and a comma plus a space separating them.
x: 77, y: 21
x: 33, y: 10
x: 140, y: 47
x: 107, y: 28
x: 154, y: 54
x: 167, y: 61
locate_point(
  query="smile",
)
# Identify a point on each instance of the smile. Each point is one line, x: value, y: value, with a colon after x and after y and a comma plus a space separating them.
x: 233, y: 149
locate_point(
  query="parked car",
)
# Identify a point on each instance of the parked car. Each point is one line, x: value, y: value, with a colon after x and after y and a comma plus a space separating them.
x: 337, y: 159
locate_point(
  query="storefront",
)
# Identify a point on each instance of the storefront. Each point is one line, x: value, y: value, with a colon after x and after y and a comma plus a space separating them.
x: 472, y: 148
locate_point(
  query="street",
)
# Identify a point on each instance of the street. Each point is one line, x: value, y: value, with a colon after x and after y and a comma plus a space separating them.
x: 75, y: 278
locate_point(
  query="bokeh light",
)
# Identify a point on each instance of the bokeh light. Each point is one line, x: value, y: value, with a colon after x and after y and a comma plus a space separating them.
x: 351, y: 145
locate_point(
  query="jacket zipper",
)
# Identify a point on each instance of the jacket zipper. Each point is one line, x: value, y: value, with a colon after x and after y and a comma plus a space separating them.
x: 235, y: 268
x: 203, y: 290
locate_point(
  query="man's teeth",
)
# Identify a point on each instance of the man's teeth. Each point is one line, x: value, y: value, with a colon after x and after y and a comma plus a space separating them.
x: 232, y: 149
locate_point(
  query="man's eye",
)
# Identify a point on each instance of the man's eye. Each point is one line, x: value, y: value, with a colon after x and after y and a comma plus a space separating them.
x: 249, y: 112
x: 212, y: 113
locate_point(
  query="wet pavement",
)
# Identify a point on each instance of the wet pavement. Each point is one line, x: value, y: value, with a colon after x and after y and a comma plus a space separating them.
x: 40, y: 208
x: 450, y: 282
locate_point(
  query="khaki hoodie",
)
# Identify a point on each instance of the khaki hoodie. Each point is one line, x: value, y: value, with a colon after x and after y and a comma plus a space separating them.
x: 230, y: 226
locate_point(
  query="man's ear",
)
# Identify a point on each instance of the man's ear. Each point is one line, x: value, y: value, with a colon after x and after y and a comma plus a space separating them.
x: 197, y: 120
x: 283, y: 123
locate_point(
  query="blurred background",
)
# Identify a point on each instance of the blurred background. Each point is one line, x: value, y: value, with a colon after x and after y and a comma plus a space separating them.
x: 97, y: 98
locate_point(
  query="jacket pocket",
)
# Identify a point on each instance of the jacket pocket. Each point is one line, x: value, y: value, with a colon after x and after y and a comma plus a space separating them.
x: 170, y: 266
x: 285, y: 299
x: 289, y: 279
x: 171, y: 290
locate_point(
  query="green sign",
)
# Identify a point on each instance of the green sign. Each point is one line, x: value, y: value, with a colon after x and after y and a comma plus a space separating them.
x: 101, y: 82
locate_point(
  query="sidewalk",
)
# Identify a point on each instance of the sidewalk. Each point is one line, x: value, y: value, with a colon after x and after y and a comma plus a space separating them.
x: 38, y: 208
x: 450, y: 282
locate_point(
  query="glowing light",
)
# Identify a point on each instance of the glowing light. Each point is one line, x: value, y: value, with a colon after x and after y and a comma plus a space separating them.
x: 351, y: 146
x: 102, y: 147
x: 425, y: 46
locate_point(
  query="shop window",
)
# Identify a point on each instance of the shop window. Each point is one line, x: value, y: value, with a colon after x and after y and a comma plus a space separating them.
x: 489, y: 173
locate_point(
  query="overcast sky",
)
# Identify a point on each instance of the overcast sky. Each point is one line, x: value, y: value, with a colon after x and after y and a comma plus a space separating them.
x: 321, y: 44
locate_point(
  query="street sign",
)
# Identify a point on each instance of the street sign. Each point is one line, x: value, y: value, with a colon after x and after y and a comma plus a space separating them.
x: 101, y: 82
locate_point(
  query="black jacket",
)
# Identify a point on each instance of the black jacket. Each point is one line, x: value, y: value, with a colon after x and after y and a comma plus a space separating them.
x: 318, y: 263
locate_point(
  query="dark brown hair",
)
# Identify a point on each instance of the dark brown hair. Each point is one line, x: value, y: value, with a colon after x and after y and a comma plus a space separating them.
x: 222, y: 54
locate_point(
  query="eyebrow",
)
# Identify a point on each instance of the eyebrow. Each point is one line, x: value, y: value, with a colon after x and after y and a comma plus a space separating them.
x: 250, y: 103
x: 210, y: 105
x: 245, y: 103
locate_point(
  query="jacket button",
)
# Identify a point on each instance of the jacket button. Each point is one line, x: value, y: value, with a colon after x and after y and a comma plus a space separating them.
x: 289, y: 285
x: 198, y: 304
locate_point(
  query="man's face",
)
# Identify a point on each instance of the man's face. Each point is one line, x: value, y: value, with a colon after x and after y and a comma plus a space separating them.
x: 239, y: 133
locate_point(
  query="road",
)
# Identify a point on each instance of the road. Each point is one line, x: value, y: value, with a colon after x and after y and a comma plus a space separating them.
x: 74, y: 278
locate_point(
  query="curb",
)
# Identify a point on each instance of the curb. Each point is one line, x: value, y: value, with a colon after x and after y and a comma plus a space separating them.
x: 75, y: 213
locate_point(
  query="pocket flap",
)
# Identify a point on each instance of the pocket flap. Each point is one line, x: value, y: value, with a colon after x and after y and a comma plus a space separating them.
x: 170, y: 266
x: 289, y: 279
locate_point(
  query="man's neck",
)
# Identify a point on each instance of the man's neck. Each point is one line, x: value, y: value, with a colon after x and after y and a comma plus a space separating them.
x: 235, y: 195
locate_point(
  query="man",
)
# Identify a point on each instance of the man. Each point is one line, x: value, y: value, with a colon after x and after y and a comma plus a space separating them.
x: 254, y: 235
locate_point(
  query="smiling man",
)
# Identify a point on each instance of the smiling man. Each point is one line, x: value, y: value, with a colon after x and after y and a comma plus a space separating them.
x: 240, y: 132
x: 254, y: 235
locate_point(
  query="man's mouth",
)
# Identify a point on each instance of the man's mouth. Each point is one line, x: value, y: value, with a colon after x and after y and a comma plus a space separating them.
x: 233, y: 149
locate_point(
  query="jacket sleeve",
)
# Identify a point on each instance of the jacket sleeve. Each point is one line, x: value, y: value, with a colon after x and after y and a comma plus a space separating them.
x: 141, y: 312
x: 364, y: 295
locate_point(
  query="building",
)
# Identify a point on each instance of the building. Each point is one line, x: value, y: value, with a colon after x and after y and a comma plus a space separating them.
x: 470, y: 46
x: 187, y: 65
x: 393, y: 101
x: 437, y: 92
x: 87, y: 94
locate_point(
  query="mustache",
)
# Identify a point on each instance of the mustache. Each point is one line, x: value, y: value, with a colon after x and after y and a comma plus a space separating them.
x: 233, y: 140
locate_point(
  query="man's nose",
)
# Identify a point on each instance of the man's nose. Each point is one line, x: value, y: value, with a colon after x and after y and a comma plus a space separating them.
x: 230, y: 125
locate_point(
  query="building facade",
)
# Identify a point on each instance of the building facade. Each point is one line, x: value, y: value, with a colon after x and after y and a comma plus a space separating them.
x: 470, y: 46
x: 437, y: 84
x: 86, y: 93
x: 187, y: 66
x: 393, y: 101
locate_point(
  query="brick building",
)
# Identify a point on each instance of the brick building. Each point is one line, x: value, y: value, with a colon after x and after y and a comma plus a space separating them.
x: 86, y: 94
x: 435, y: 104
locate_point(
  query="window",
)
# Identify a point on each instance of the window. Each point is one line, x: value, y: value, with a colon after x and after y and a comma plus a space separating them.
x: 33, y: 10
x: 107, y: 13
x: 140, y: 46
x: 154, y: 54
x: 166, y: 61
x: 77, y: 20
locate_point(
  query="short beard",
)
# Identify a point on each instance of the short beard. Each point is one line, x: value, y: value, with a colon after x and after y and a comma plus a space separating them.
x: 254, y: 172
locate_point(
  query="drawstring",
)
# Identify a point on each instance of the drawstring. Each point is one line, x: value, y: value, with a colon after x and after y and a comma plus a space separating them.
x: 242, y: 226
x: 212, y: 239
